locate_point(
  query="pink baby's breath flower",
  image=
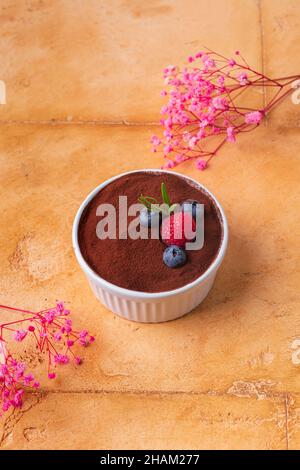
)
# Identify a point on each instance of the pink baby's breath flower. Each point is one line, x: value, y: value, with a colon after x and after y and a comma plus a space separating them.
x: 221, y: 80
x: 243, y: 78
x: 219, y: 103
x: 167, y: 149
x: 86, y: 341
x: 20, y: 335
x: 61, y: 359
x: 17, y: 401
x: 204, y: 123
x: 171, y: 69
x: 168, y: 123
x: 50, y: 316
x: 57, y: 336
x: 193, y: 142
x: 19, y: 369
x: 202, y: 102
x: 253, y: 118
x: 6, y: 405
x: 83, y: 342
x: 68, y: 325
x: 201, y: 164
x: 208, y: 62
x: 230, y: 134
x: 60, y: 307
x: 83, y: 333
x: 179, y: 158
x: 155, y: 140
x: 169, y: 165
x: 50, y: 325
x: 28, y: 379
x: 201, y: 134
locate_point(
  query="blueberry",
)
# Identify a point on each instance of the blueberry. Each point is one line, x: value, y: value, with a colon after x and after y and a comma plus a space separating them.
x: 149, y: 219
x: 193, y: 207
x: 174, y: 256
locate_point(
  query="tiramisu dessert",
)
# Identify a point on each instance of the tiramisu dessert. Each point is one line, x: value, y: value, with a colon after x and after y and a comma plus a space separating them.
x: 172, y: 204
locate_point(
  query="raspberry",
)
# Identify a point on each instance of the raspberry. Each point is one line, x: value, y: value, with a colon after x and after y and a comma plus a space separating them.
x: 178, y: 229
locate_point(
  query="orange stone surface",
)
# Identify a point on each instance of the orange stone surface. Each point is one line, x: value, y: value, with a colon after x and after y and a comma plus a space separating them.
x: 82, y: 100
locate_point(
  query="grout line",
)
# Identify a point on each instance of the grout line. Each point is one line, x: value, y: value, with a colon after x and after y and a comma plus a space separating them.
x: 58, y: 122
x: 262, y: 47
x: 286, y: 404
x: 209, y: 393
x: 124, y: 123
x: 126, y: 392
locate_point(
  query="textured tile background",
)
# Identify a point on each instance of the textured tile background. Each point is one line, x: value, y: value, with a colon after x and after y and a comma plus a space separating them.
x: 78, y: 74
x: 103, y: 60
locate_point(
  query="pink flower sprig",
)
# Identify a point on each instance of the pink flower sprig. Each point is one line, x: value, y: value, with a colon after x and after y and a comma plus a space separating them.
x: 203, y: 104
x: 53, y: 334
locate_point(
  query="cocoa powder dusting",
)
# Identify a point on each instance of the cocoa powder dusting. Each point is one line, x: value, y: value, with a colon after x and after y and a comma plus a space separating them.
x: 138, y: 264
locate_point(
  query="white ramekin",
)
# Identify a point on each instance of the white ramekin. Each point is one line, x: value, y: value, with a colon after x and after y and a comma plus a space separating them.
x: 150, y: 307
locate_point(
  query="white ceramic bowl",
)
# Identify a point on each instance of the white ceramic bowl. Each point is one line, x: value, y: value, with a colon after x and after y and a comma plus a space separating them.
x: 150, y: 307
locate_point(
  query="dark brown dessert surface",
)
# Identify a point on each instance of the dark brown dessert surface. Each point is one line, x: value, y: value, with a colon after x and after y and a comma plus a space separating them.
x: 138, y: 264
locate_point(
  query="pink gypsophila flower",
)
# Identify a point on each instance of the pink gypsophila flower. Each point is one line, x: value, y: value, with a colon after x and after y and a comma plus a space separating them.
x: 243, y: 78
x: 50, y: 316
x: 60, y: 307
x: 179, y: 158
x: 48, y: 327
x: 219, y: 103
x: 17, y: 401
x: 169, y: 164
x: 155, y: 140
x: 57, y: 336
x: 201, y: 165
x: 61, y: 359
x: 28, y: 379
x: 20, y: 335
x: 230, y: 134
x: 253, y: 118
x: 83, y: 333
x: 203, y: 111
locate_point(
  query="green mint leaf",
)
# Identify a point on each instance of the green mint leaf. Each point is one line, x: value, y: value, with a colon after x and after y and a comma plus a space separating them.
x: 165, y: 195
x: 147, y: 201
